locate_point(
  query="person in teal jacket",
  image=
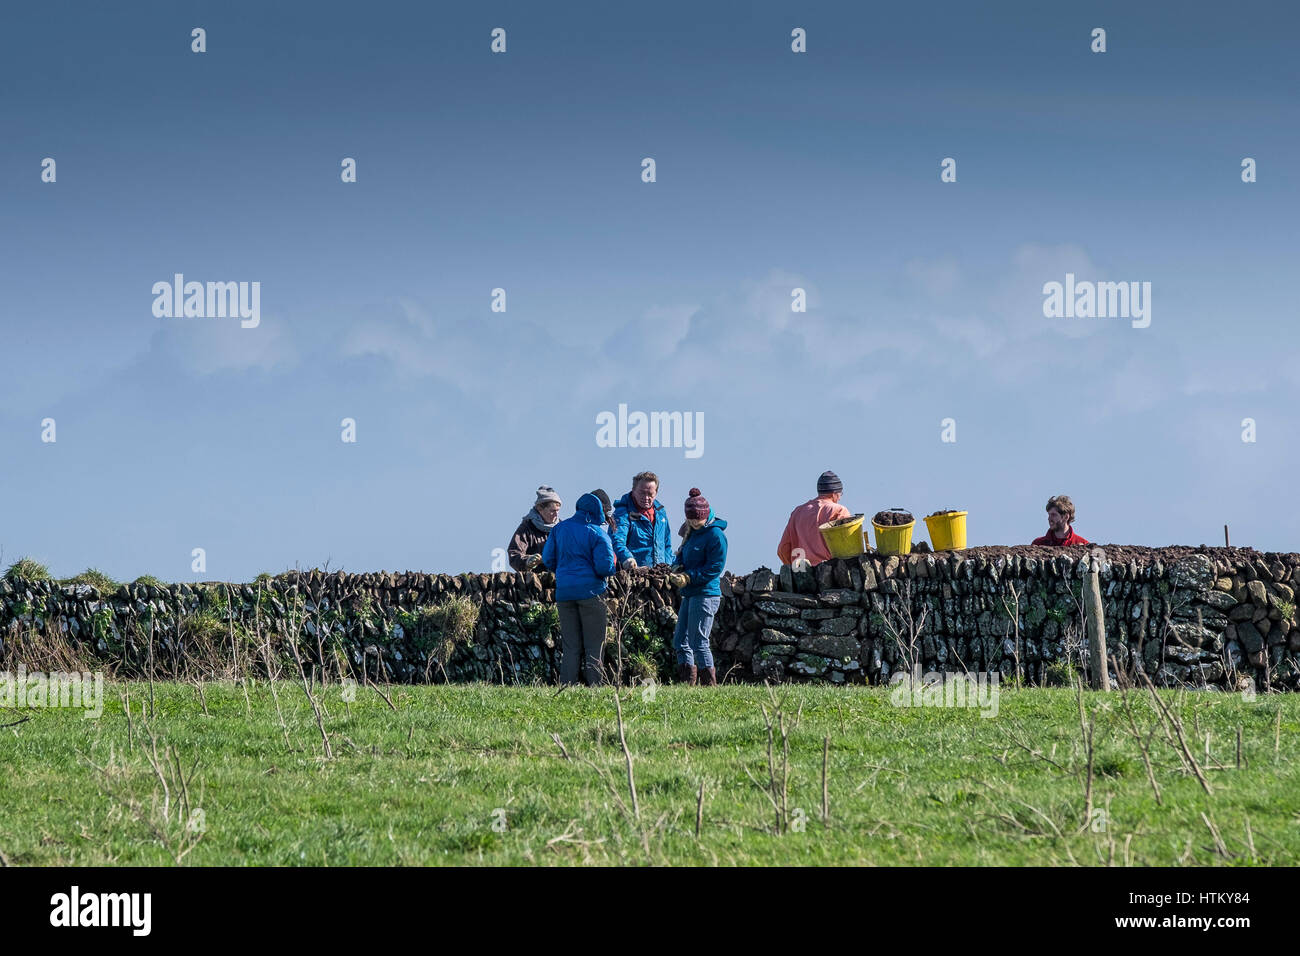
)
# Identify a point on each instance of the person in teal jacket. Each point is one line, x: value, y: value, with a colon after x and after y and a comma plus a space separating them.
x: 698, y: 575
x: 642, y: 536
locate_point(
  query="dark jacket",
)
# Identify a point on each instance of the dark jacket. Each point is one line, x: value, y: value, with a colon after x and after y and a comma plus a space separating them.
x: 580, y: 553
x: 636, y: 537
x: 528, y: 539
x: 702, y: 557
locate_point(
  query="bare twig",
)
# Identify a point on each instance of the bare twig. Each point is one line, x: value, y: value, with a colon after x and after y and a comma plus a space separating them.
x: 903, y: 627
x: 306, y: 689
x: 152, y: 711
x: 826, y: 793
x: 1178, y: 738
x: 1034, y: 752
x: 1086, y: 733
x: 387, y: 700
x: 1219, y: 846
x: 777, y: 722
x: 627, y: 755
x: 560, y: 743
x: 1144, y: 745
x: 699, y: 810
x: 130, y: 730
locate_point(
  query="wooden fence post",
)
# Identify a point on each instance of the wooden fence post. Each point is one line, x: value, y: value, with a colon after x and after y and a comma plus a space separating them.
x: 1096, y: 625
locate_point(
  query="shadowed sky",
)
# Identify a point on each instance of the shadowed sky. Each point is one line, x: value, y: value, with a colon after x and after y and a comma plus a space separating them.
x: 522, y: 171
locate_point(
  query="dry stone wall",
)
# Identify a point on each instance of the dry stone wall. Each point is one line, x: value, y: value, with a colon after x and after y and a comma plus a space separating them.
x: 1208, y: 617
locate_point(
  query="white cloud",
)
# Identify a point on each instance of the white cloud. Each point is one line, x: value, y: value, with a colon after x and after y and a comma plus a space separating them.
x: 655, y: 335
x: 494, y: 362
x: 1018, y: 297
x: 934, y: 277
x: 205, y: 346
x: 744, y: 348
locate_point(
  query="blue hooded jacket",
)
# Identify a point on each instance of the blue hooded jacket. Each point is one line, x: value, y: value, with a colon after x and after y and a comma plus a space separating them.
x: 635, y: 537
x: 579, y: 551
x: 702, y: 557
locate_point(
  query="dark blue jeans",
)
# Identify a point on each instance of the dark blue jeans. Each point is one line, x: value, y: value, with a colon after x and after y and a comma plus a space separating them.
x: 694, y: 622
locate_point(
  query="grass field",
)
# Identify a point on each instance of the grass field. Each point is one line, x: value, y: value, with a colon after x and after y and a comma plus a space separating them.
x: 473, y: 775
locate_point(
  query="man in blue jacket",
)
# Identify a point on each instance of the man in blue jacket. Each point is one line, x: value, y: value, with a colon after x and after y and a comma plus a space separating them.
x: 579, y: 551
x: 641, y: 533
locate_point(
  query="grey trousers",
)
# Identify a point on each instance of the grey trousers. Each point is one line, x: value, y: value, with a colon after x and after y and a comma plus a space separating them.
x: 582, y: 639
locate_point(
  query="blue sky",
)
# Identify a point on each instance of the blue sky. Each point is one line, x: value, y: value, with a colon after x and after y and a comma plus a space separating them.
x: 522, y: 170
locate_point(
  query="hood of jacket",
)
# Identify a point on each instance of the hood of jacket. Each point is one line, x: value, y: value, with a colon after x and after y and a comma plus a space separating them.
x: 590, y: 508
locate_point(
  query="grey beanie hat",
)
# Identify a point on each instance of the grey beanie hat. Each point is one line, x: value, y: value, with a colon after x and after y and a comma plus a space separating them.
x: 544, y: 494
x: 829, y: 483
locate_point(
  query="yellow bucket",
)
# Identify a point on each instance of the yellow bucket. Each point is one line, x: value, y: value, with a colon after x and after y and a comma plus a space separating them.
x: 948, y: 531
x: 844, y: 540
x: 894, y: 539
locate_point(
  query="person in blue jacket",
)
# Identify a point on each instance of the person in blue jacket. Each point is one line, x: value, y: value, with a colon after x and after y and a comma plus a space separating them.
x: 698, y: 575
x: 579, y: 551
x: 642, y: 536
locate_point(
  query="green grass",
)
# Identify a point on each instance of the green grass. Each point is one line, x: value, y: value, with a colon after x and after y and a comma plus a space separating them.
x: 96, y: 579
x: 27, y: 570
x: 426, y: 783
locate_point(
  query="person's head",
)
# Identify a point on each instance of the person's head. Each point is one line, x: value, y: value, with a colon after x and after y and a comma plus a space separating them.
x: 830, y: 486
x: 589, y: 506
x: 1060, y: 513
x: 547, y: 504
x: 645, y: 486
x: 697, y: 509
x: 605, y: 503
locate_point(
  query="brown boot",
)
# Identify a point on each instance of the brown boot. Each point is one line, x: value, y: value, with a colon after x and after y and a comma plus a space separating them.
x: 709, y: 677
x: 687, y: 674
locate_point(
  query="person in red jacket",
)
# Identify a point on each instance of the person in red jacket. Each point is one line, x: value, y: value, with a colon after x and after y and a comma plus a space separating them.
x: 1060, y: 520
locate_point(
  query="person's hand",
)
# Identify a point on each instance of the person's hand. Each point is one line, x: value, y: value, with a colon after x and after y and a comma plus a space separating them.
x: 628, y: 564
x: 678, y: 580
x: 532, y: 562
